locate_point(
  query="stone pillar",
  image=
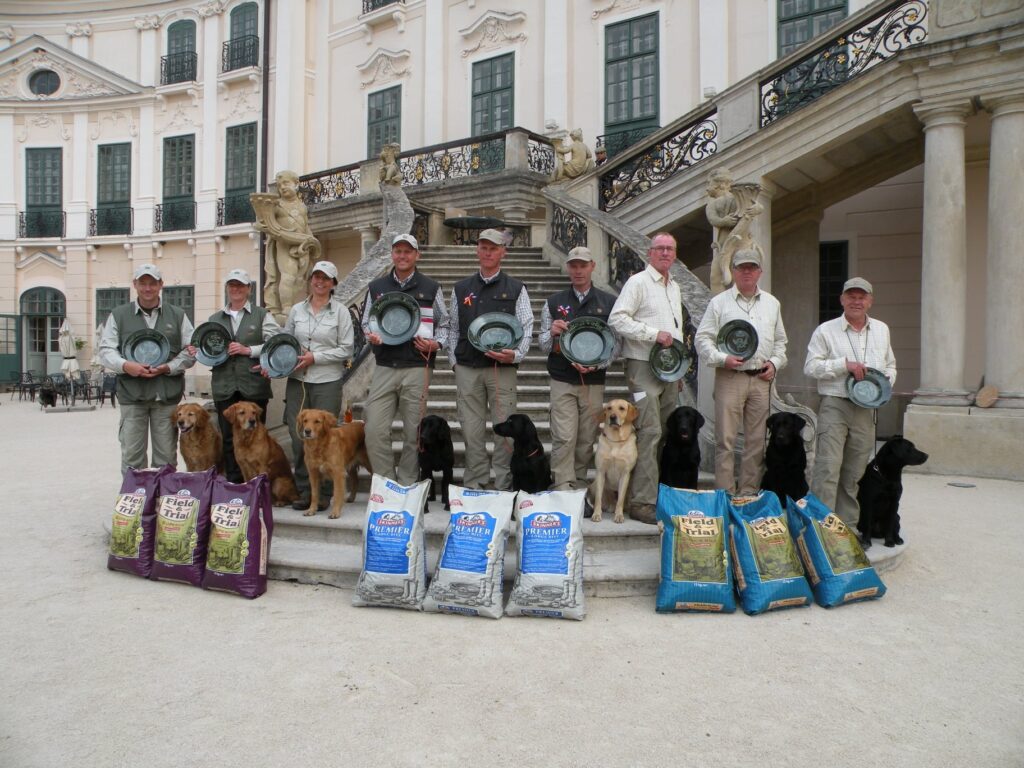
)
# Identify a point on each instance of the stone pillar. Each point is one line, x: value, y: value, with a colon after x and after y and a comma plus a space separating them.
x: 944, y: 256
x: 148, y: 155
x: 147, y: 51
x: 1004, y: 355
x: 368, y: 237
x: 556, y: 65
x: 289, y: 88
x: 434, y: 66
x: 208, y: 170
x: 77, y: 206
x: 319, y: 152
x: 761, y: 230
x: 714, y: 47
x: 8, y: 201
x: 795, y: 254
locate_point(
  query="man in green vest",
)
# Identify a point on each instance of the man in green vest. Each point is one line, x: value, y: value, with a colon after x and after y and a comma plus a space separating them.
x: 234, y: 379
x: 147, y: 394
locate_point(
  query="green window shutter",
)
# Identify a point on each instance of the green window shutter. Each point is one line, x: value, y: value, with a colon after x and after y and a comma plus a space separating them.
x: 180, y: 296
x: 244, y: 21
x: 106, y: 300
x: 493, y: 94
x: 44, y: 179
x: 240, y: 151
x: 113, y: 174
x: 384, y: 119
x: 631, y: 74
x: 181, y: 37
x: 179, y: 167
x: 800, y: 20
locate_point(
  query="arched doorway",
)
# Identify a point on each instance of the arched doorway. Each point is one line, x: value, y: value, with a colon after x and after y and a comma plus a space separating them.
x: 42, y: 311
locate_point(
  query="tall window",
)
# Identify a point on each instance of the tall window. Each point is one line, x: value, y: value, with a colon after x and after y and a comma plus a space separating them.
x: 180, y: 63
x: 384, y: 119
x: 800, y: 20
x: 106, y: 300
x: 240, y: 174
x: 243, y: 49
x: 493, y: 86
x: 44, y: 180
x: 631, y: 81
x: 180, y: 296
x: 833, y: 269
x: 113, y: 189
x: 178, y: 209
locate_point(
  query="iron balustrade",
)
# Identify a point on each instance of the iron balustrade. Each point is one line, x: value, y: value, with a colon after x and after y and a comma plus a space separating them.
x: 618, y: 141
x: 849, y: 53
x: 172, y: 216
x: 178, y: 67
x: 360, y: 347
x: 326, y: 186
x: 112, y: 220
x: 624, y: 180
x: 454, y: 160
x: 540, y: 156
x: 239, y: 52
x: 234, y: 209
x: 369, y: 6
x: 568, y: 229
x: 623, y: 263
x: 41, y: 223
x: 470, y: 235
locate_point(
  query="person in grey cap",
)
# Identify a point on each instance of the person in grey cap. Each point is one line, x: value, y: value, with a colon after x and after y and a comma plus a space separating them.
x: 840, y: 348
x: 577, y: 392
x: 147, y: 394
x: 742, y: 387
x: 402, y: 375
x: 235, y: 379
x: 486, y: 381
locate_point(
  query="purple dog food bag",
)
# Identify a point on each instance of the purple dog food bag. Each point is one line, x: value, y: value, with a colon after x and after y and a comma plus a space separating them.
x: 182, y: 526
x: 241, y: 524
x: 134, y: 525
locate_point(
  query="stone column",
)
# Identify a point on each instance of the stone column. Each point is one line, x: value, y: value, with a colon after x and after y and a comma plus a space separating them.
x: 714, y: 47
x: 8, y: 201
x: 761, y: 230
x: 289, y: 88
x: 944, y: 256
x: 1004, y: 354
x: 556, y: 64
x: 209, y: 172
x: 146, y: 144
x: 320, y: 151
x: 77, y: 206
x: 434, y: 72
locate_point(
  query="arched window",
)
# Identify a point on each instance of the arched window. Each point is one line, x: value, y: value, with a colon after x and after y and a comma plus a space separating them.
x: 243, y: 49
x: 42, y: 301
x: 180, y: 63
x: 244, y: 20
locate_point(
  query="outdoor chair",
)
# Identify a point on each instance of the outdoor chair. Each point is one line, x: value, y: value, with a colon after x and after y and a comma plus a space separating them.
x: 26, y: 385
x: 108, y: 387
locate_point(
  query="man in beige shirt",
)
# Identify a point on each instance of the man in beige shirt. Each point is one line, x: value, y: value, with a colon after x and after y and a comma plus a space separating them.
x: 649, y: 311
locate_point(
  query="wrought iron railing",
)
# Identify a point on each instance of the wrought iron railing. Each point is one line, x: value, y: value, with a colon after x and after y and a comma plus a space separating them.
x: 852, y: 51
x: 240, y: 52
x: 659, y: 162
x: 618, y: 141
x: 421, y: 227
x: 178, y: 67
x: 623, y: 263
x: 172, y: 216
x: 41, y: 223
x: 113, y: 220
x: 469, y: 236
x: 376, y: 5
x: 360, y: 347
x: 485, y: 154
x: 234, y: 209
x: 334, y: 184
x: 567, y: 229
x: 541, y: 156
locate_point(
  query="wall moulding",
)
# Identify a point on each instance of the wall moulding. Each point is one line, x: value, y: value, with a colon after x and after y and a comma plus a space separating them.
x: 384, y: 66
x: 493, y: 29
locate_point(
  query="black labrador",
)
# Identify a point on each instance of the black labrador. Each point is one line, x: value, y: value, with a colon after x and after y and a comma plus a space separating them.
x: 680, y: 458
x: 436, y: 454
x: 531, y: 467
x: 785, y: 459
x: 880, y: 489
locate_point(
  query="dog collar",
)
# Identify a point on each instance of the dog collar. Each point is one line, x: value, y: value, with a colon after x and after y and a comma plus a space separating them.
x: 536, y: 451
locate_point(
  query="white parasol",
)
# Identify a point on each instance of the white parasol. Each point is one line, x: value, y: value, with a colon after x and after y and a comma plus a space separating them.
x: 66, y: 342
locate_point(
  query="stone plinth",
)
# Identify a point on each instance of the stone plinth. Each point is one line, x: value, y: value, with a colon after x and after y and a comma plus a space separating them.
x: 968, y: 440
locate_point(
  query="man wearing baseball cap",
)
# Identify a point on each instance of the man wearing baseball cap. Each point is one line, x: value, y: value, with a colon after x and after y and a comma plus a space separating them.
x: 402, y: 374
x: 577, y: 392
x: 234, y: 379
x: 742, y: 387
x: 840, y: 348
x: 147, y: 394
x: 486, y: 381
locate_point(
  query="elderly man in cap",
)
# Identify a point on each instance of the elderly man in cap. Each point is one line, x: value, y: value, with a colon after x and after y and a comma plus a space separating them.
x: 235, y: 379
x: 147, y: 394
x: 486, y: 381
x: 402, y: 374
x: 840, y: 348
x: 577, y: 391
x: 649, y: 311
x: 742, y: 387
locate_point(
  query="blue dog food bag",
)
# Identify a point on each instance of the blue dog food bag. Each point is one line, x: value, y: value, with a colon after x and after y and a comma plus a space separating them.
x: 839, y: 570
x: 549, y: 578
x: 696, y: 572
x: 471, y: 565
x: 768, y: 570
x: 394, y: 548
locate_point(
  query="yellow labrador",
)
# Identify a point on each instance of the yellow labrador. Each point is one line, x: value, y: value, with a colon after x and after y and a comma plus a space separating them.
x: 615, y: 459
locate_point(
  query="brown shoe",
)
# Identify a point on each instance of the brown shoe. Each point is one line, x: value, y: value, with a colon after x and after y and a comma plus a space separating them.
x: 642, y: 513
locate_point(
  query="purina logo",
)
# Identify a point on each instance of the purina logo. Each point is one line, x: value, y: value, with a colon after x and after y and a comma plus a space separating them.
x: 473, y: 520
x: 695, y: 513
x: 456, y: 503
x: 391, y: 518
x: 526, y: 505
x: 140, y: 491
x: 545, y: 521
x: 235, y: 501
x: 377, y: 498
x: 184, y: 492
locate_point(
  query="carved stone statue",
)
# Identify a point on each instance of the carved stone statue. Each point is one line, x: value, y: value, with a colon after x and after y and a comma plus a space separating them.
x: 390, y: 173
x: 731, y: 209
x: 580, y: 159
x: 291, y: 246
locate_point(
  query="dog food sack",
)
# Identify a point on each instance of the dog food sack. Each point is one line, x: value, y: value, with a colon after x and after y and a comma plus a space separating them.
x: 471, y: 565
x: 696, y: 571
x: 182, y: 526
x: 768, y: 570
x: 394, y: 547
x: 241, y: 524
x: 134, y: 525
x: 839, y: 570
x: 549, y: 577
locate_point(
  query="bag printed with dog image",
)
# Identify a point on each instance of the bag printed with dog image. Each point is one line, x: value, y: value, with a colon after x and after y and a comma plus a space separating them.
x: 471, y: 565
x: 549, y: 577
x: 133, y: 528
x: 696, y: 571
x: 394, y: 571
x: 182, y: 526
x: 839, y: 570
x: 769, y: 574
x: 241, y: 525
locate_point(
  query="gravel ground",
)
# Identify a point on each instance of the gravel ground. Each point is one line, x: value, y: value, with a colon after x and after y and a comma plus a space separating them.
x: 103, y: 669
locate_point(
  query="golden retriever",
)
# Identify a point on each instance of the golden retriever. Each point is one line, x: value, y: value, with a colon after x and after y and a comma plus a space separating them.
x: 257, y: 452
x: 200, y: 442
x: 335, y: 449
x: 615, y: 458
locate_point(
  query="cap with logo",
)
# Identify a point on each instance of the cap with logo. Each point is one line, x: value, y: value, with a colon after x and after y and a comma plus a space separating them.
x: 406, y: 239
x: 238, y: 276
x: 580, y: 253
x: 857, y: 284
x: 327, y: 268
x: 495, y: 236
x: 147, y: 269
